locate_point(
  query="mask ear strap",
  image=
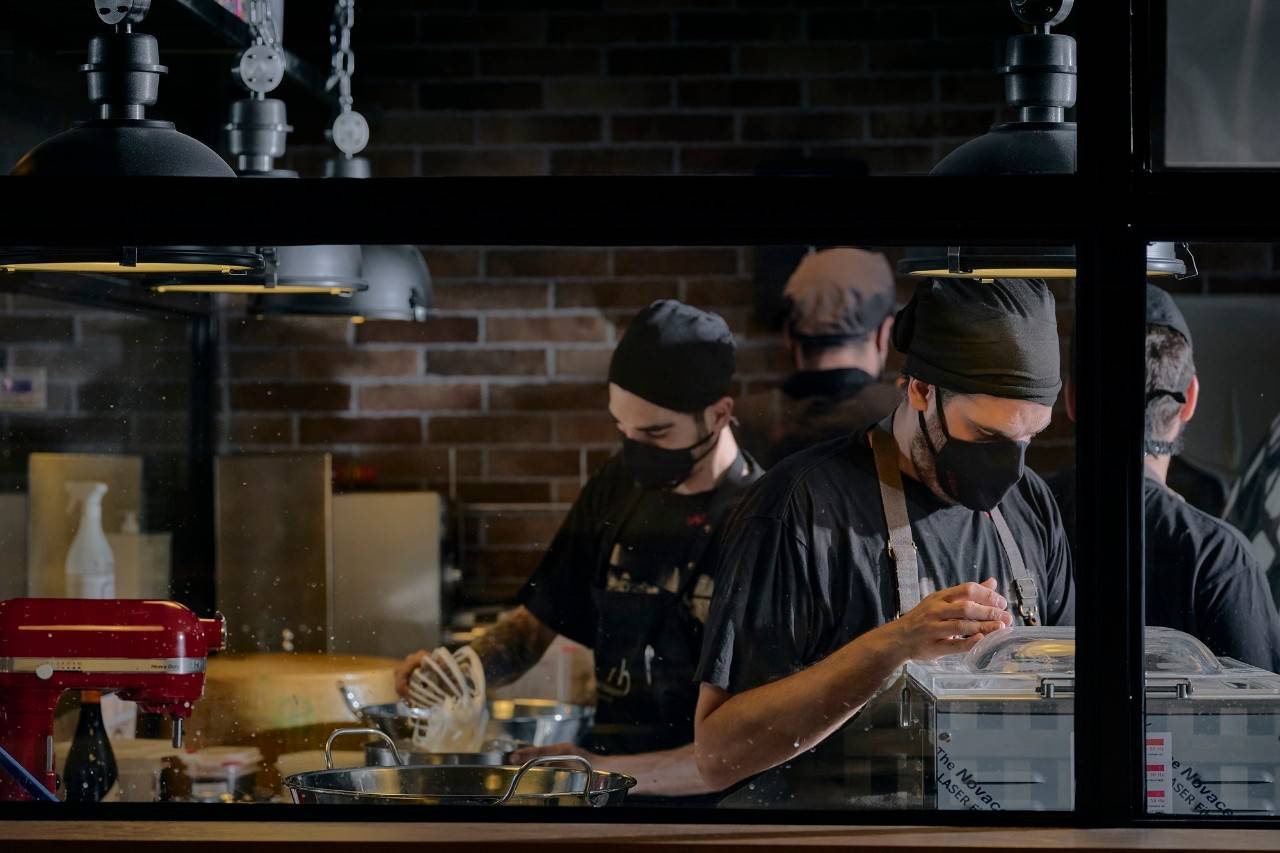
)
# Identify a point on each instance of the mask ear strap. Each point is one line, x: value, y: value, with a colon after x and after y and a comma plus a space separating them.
x: 942, y: 416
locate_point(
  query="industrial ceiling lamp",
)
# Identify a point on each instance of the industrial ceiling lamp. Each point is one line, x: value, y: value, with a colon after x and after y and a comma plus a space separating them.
x: 123, y: 75
x: 257, y: 132
x: 1040, y: 82
x: 399, y: 281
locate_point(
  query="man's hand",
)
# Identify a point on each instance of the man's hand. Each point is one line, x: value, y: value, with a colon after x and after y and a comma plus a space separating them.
x: 406, y: 668
x: 525, y: 753
x: 950, y: 621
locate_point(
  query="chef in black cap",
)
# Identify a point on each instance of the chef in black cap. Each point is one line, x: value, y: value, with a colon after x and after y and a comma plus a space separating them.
x: 908, y: 540
x: 629, y: 574
x: 1201, y: 576
x: 839, y: 314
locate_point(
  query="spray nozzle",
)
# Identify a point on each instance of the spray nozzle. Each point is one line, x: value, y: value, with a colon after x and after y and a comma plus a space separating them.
x: 84, y: 491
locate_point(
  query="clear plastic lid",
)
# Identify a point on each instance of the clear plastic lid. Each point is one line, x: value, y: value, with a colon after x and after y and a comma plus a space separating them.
x: 1053, y: 650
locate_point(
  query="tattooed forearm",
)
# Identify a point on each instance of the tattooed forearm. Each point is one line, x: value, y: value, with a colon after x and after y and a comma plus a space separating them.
x: 512, y: 646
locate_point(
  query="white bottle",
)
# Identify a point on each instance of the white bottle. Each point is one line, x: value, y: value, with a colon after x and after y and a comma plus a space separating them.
x: 91, y: 569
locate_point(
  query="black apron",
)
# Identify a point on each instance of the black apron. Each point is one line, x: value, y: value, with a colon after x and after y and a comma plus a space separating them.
x: 647, y: 644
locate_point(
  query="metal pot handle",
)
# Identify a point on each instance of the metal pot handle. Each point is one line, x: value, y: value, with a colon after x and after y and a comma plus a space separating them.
x: 378, y: 733
x: 546, y: 759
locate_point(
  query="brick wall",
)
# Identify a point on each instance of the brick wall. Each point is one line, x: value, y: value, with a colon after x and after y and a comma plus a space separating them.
x: 664, y: 86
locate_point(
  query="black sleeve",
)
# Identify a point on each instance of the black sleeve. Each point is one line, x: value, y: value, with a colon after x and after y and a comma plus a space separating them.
x: 1235, y: 613
x: 559, y: 592
x: 762, y: 618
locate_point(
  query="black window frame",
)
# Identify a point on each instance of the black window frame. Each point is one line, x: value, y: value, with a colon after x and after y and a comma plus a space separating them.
x: 1113, y: 205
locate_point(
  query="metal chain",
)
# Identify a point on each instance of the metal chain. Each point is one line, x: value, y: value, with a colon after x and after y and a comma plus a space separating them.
x: 262, y: 23
x: 344, y: 59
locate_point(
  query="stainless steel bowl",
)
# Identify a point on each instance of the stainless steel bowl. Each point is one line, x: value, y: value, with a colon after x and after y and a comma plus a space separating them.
x: 378, y: 754
x: 536, y: 783
x: 519, y: 722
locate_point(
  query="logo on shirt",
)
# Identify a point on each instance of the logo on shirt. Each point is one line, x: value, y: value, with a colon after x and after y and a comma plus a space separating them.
x: 697, y: 519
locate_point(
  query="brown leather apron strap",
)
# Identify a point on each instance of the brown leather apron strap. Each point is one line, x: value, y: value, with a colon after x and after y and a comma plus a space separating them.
x: 902, y: 548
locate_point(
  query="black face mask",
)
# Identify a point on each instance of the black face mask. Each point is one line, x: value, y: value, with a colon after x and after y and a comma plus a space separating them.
x: 975, y: 474
x: 660, y: 467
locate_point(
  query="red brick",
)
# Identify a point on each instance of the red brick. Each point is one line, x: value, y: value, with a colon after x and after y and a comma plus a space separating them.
x: 471, y: 96
x: 155, y: 431
x: 323, y: 364
x: 866, y: 25
x: 135, y: 331
x: 509, y: 130
x: 934, y: 56
x: 738, y: 27
x: 260, y: 430
x: 587, y: 327
x: 884, y: 159
x: 535, y: 531
x: 739, y: 93
x: 803, y: 127
x: 40, y: 432
x: 280, y: 396
x: 435, y: 330
x: 290, y: 331
x: 720, y: 291
x: 583, y: 362
x: 763, y: 360
x: 407, y: 466
x: 737, y: 159
x: 669, y: 61
x: 479, y: 163
x: 540, y: 62
x: 481, y: 29
x: 596, y: 459
x: 417, y: 128
x: 446, y: 262
x: 419, y: 397
x: 800, y: 59
x: 613, y: 294
x: 671, y: 128
x: 684, y: 261
x: 909, y: 124
x: 539, y: 263
x: 976, y: 87
x: 360, y: 431
x: 613, y: 161
x: 864, y: 91
x: 603, y: 94
x: 608, y: 29
x: 269, y: 364
x: 556, y: 397
x: 415, y: 62
x: 543, y: 462
x: 26, y: 330
x: 487, y: 362
x: 102, y: 396
x: 483, y: 429
x: 505, y: 491
x: 586, y: 429
x: 486, y: 295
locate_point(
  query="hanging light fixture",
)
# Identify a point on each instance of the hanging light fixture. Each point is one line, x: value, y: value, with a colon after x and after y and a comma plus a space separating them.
x: 398, y: 278
x: 1040, y: 83
x: 123, y: 75
x: 256, y: 137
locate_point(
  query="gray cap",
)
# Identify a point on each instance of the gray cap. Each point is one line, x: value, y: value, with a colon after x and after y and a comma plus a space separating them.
x: 839, y: 294
x: 1163, y: 311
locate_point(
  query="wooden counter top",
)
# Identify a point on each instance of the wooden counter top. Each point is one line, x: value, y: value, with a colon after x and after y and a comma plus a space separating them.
x: 208, y: 836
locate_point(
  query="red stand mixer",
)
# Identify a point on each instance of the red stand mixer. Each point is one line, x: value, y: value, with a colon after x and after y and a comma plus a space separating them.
x: 149, y: 652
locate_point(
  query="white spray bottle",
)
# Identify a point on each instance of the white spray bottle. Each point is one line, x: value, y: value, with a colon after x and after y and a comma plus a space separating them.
x: 91, y: 567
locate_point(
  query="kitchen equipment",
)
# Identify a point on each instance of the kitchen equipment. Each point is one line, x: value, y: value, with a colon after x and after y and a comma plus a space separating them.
x: 222, y: 774
x: 536, y: 722
x: 536, y: 782
x: 382, y: 751
x: 448, y: 689
x: 150, y: 652
x: 992, y: 730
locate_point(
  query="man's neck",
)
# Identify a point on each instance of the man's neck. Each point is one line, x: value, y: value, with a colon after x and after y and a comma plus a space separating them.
x: 708, y: 473
x: 842, y: 358
x: 1157, y: 467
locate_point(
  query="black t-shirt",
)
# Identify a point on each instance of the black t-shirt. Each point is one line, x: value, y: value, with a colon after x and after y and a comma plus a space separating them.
x: 1203, y: 579
x: 804, y: 565
x: 618, y: 536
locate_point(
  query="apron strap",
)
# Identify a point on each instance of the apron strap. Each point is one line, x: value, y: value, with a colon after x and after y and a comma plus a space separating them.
x: 902, y: 548
x: 1024, y: 586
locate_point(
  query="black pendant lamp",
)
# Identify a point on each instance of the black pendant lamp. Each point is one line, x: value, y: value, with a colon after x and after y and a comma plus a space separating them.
x: 399, y: 283
x: 1040, y: 83
x: 257, y: 134
x: 123, y: 76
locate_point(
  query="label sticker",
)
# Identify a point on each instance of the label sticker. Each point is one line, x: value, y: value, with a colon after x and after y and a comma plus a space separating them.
x: 1159, y: 772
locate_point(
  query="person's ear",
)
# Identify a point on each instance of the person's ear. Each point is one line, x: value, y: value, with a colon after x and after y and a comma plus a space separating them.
x: 1069, y: 397
x: 1188, y: 410
x: 884, y: 338
x: 719, y: 414
x: 918, y: 394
